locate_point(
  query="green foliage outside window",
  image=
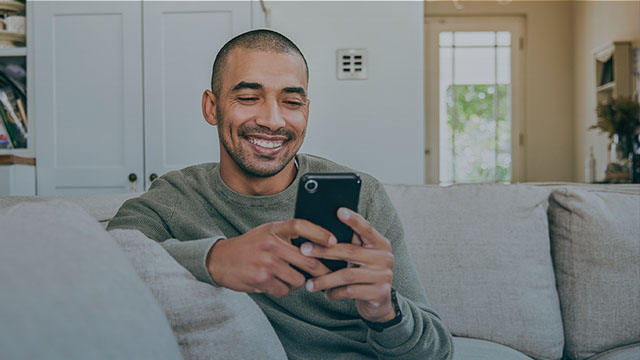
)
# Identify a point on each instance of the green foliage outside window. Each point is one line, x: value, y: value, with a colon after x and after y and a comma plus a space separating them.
x: 480, y: 141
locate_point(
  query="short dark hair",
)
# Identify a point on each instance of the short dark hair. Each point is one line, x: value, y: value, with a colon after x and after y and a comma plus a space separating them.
x: 260, y: 40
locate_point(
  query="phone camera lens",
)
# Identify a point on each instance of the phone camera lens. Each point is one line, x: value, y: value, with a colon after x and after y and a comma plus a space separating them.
x: 311, y: 186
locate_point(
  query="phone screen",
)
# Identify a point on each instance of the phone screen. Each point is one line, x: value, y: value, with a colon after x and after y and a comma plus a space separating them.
x: 320, y: 195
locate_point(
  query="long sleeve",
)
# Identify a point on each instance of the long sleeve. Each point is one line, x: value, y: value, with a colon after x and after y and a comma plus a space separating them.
x: 421, y: 333
x: 152, y: 212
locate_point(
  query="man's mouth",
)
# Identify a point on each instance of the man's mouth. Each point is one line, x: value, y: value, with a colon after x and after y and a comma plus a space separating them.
x: 268, y: 144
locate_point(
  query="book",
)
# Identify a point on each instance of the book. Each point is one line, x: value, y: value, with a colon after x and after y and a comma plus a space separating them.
x: 12, y: 123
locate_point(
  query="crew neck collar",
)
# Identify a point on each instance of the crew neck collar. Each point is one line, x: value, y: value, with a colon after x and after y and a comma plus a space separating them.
x: 261, y: 201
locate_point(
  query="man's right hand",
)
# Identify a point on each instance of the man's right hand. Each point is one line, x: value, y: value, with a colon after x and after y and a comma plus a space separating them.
x: 260, y: 259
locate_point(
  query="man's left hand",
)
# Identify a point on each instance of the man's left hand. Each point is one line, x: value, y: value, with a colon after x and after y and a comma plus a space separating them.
x: 367, y: 279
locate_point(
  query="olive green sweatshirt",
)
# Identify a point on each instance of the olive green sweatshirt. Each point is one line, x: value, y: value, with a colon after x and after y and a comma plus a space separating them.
x: 187, y: 211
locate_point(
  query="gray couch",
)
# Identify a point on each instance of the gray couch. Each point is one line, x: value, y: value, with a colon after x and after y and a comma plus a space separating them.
x: 543, y: 271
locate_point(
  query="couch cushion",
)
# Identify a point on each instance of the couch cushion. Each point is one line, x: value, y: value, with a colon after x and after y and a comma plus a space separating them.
x: 68, y: 292
x: 483, y: 255
x: 209, y: 322
x: 596, y: 249
x: 629, y: 352
x: 474, y: 349
x: 101, y: 207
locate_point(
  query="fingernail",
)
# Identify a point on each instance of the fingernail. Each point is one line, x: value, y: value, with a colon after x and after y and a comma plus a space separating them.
x: 306, y: 248
x: 345, y: 213
x: 333, y: 240
x: 309, y: 285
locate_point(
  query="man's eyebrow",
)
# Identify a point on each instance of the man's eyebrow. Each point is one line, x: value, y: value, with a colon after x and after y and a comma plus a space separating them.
x: 247, y: 85
x: 296, y: 90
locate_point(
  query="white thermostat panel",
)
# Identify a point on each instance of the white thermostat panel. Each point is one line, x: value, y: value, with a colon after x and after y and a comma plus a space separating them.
x: 352, y: 64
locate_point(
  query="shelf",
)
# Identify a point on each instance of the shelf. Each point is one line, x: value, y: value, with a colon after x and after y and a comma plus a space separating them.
x: 11, y: 7
x: 18, y: 152
x: 16, y: 160
x: 10, y: 52
x: 609, y: 85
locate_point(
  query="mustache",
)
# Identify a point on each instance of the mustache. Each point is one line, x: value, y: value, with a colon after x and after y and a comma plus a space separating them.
x: 252, y: 129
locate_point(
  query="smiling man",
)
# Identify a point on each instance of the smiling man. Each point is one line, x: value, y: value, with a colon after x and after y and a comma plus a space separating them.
x: 231, y: 223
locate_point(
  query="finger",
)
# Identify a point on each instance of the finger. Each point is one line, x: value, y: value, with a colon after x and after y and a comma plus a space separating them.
x: 288, y: 275
x: 368, y: 234
x: 295, y: 228
x: 348, y: 276
x: 276, y: 287
x: 356, y: 240
x: 374, y: 258
x: 359, y: 292
x: 291, y: 254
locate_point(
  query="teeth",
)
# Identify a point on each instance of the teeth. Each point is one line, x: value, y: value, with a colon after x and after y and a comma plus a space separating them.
x: 265, y: 144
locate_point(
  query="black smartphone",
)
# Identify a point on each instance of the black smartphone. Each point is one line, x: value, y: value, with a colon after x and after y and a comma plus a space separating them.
x: 320, y: 195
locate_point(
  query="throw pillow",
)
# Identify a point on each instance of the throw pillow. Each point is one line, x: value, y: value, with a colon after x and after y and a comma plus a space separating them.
x: 596, y: 251
x: 209, y: 322
x: 68, y: 292
x: 483, y: 255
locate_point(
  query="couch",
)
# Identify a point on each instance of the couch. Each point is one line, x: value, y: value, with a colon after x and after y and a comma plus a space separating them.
x: 542, y: 271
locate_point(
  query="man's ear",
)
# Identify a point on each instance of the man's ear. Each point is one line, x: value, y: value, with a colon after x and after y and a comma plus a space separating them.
x: 209, y: 105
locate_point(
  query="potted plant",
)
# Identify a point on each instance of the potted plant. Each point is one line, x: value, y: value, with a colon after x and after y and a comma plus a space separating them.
x: 620, y: 118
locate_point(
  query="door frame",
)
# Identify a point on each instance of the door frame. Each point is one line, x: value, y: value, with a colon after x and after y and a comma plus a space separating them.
x: 433, y: 26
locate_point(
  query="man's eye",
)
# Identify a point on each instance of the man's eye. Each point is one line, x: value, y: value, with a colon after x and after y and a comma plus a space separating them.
x: 293, y: 103
x: 248, y: 99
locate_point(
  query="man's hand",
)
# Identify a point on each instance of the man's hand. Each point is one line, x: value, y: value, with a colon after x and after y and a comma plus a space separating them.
x: 260, y: 259
x: 368, y: 277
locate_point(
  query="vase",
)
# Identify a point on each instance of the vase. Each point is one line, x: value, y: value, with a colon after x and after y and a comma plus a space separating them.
x: 620, y: 148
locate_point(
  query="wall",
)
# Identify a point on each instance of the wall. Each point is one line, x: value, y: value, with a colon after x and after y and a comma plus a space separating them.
x: 374, y: 125
x: 596, y: 24
x: 548, y: 80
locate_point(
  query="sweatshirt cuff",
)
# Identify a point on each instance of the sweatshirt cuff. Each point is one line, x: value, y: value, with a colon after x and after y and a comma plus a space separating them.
x: 396, y: 335
x: 192, y: 255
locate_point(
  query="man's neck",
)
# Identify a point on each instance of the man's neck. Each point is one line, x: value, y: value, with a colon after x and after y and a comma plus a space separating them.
x: 249, y: 185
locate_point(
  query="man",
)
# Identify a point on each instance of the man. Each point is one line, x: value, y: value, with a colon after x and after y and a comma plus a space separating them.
x: 230, y: 223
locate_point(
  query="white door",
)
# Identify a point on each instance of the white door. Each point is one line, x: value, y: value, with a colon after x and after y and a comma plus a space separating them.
x: 181, y: 40
x: 475, y: 99
x: 88, y: 96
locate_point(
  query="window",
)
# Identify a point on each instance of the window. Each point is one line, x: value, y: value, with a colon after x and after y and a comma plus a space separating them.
x: 471, y: 113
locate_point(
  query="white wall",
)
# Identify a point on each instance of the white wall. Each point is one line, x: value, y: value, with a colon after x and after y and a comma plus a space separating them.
x: 374, y: 125
x: 596, y: 24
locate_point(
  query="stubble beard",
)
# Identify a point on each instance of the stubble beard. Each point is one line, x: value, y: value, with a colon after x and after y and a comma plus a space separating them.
x: 241, y: 158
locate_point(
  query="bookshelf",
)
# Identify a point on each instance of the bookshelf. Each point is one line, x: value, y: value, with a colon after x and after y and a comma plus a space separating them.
x: 17, y: 166
x: 613, y: 70
x: 18, y: 56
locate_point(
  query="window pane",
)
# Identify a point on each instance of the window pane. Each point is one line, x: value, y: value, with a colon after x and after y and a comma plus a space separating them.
x: 504, y: 38
x: 446, y: 39
x: 474, y: 134
x: 475, y: 108
x: 474, y: 38
x: 504, y: 65
x: 474, y: 65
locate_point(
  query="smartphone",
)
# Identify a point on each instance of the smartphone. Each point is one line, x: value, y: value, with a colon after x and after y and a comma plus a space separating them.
x: 320, y: 195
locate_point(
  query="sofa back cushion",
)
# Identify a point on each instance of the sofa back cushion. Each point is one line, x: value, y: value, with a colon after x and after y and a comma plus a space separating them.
x: 483, y: 255
x: 209, y: 322
x: 596, y: 252
x: 68, y: 292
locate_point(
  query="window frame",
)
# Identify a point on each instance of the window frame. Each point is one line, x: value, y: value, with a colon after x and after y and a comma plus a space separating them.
x: 434, y: 25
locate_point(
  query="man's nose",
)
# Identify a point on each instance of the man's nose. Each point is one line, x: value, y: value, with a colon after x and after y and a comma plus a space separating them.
x: 271, y: 117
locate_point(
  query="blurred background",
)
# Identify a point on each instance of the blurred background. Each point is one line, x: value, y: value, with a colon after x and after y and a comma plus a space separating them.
x: 409, y: 91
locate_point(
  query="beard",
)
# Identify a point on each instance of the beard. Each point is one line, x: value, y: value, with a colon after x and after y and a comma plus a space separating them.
x: 251, y: 165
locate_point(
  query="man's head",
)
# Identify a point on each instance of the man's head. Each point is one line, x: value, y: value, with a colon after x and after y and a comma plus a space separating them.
x: 257, y: 40
x: 258, y: 100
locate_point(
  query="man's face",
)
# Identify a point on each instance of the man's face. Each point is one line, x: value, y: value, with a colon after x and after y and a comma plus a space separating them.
x: 262, y: 110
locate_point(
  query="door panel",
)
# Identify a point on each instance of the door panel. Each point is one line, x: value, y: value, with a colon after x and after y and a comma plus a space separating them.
x: 181, y: 41
x: 88, y: 65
